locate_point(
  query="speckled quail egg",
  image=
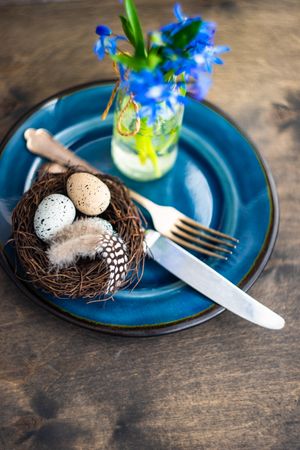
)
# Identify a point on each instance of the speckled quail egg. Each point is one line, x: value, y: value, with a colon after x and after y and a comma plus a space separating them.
x: 89, y: 194
x: 53, y: 213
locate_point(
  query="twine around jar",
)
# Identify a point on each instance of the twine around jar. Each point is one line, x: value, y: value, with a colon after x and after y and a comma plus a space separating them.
x: 131, y: 101
x: 137, y: 121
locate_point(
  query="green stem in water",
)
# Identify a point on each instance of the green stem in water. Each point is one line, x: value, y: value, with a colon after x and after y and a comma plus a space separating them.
x: 164, y: 147
x: 146, y: 150
x: 144, y: 146
x: 141, y: 148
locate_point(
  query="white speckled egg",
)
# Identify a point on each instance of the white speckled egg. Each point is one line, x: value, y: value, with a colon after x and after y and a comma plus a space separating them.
x: 105, y: 224
x: 89, y: 194
x: 53, y: 213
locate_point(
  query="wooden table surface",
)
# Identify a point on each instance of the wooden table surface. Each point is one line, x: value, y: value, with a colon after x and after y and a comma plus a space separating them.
x: 226, y: 384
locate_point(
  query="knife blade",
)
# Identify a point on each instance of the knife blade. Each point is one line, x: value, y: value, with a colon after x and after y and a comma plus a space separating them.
x: 208, y: 282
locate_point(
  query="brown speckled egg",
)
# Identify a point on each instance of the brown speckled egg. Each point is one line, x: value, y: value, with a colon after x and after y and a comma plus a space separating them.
x: 89, y: 194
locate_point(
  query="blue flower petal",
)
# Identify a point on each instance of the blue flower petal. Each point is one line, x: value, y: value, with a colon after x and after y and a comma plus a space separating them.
x: 103, y: 30
x: 99, y: 49
x: 218, y: 60
x: 178, y: 12
x: 181, y: 99
x: 170, y: 28
x: 221, y: 49
x: 111, y: 43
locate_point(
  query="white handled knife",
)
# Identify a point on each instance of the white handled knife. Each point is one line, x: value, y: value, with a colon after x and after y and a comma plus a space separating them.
x: 210, y: 283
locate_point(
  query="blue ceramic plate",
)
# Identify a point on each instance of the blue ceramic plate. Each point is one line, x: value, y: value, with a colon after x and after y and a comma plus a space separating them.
x: 219, y: 179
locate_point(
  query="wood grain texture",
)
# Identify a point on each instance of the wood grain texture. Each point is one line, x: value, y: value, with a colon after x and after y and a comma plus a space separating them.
x: 224, y: 385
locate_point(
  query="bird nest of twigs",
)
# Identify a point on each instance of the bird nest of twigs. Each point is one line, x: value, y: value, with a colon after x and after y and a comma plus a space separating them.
x: 87, y: 278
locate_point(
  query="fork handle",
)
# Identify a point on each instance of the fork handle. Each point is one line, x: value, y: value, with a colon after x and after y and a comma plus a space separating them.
x: 42, y: 143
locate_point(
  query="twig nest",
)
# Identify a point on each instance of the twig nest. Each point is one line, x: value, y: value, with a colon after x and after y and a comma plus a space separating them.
x: 92, y: 257
x: 89, y: 194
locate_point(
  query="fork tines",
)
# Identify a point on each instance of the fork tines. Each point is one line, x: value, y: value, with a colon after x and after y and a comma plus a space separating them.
x: 193, y: 235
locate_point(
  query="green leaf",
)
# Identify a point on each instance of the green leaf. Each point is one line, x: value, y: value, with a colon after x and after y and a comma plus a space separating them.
x: 169, y: 75
x: 153, y: 58
x: 153, y: 61
x: 127, y: 30
x: 130, y: 61
x: 134, y: 22
x: 156, y: 38
x: 186, y: 34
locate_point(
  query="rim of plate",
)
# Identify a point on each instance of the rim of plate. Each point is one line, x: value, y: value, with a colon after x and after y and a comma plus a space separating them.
x: 168, y: 327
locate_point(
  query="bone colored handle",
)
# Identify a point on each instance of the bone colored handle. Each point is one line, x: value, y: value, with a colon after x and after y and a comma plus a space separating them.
x: 41, y: 142
x: 50, y: 167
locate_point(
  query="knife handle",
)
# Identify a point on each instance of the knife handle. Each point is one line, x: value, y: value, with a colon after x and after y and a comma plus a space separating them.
x: 41, y: 142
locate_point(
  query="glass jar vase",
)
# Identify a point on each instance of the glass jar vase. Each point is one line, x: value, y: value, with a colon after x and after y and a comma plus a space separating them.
x: 141, y: 150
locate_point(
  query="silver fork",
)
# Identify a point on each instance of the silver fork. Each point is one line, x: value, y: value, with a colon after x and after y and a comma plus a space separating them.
x: 167, y: 220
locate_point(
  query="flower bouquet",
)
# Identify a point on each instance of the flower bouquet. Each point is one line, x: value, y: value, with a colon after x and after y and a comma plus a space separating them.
x: 154, y: 76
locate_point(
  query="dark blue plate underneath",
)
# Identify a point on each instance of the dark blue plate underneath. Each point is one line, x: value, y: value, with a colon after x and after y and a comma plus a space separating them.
x: 219, y: 179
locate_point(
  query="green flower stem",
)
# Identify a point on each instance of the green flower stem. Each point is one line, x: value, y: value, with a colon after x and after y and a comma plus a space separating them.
x: 166, y: 145
x: 145, y: 149
x: 140, y: 147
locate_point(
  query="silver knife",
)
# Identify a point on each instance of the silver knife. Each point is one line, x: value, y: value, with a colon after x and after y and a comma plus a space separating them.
x: 206, y: 280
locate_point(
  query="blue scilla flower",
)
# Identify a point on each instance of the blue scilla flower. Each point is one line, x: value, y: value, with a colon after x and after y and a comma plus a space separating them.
x: 106, y: 42
x: 191, y: 60
x: 209, y: 56
x: 102, y: 31
x: 199, y: 52
x: 204, y: 37
x: 207, y: 29
x: 178, y: 62
x: 172, y: 28
x: 152, y: 92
